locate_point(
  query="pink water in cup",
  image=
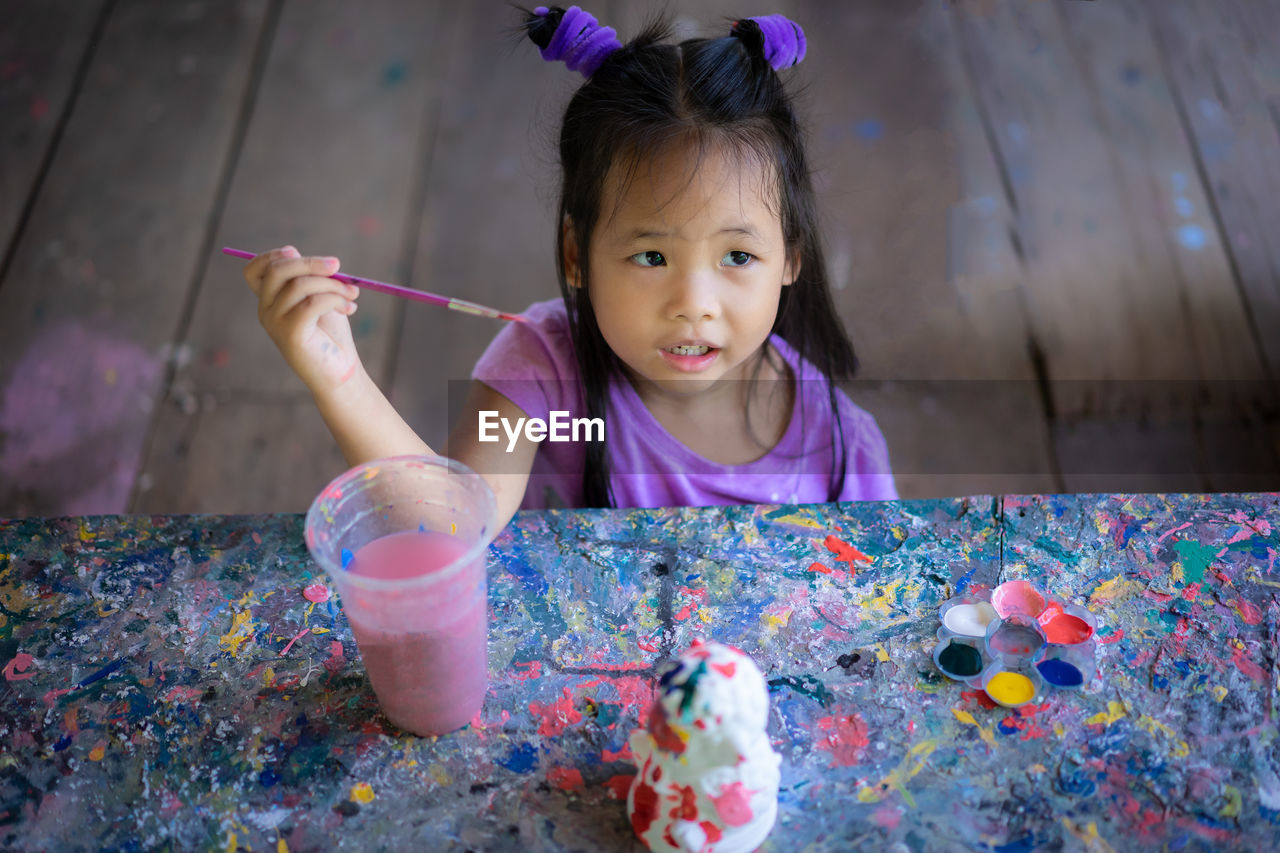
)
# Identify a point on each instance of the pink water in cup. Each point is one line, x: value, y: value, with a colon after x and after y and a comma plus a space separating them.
x: 404, y: 541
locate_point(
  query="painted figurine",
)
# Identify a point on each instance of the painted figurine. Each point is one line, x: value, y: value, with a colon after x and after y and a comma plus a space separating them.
x: 708, y: 777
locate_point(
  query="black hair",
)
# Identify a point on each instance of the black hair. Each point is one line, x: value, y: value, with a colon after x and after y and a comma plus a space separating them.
x: 716, y: 93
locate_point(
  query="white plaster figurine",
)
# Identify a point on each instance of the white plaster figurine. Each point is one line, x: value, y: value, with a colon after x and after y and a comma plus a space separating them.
x: 708, y: 779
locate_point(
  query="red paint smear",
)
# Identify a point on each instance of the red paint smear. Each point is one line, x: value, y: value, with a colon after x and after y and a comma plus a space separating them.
x: 818, y: 567
x: 686, y: 612
x: 687, y: 808
x: 528, y: 669
x: 725, y: 669
x: 16, y: 669
x: 734, y: 805
x: 317, y: 592
x: 1248, y: 612
x: 1247, y: 666
x: 1112, y: 637
x: 887, y: 816
x: 712, y: 831
x: 844, y: 551
x: 565, y: 778
x: 1192, y: 592
x: 336, y: 661
x: 182, y: 693
x: 644, y: 809
x: 979, y: 696
x: 556, y: 715
x: 845, y: 737
x: 619, y: 785
x: 623, y: 754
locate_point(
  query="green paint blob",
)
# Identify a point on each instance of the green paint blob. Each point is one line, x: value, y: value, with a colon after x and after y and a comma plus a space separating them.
x: 1195, y: 558
x: 959, y: 659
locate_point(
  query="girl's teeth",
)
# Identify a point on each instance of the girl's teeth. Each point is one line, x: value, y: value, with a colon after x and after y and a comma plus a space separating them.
x: 688, y: 350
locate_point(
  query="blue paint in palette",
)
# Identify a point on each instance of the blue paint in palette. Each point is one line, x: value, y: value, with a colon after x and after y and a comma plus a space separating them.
x: 1059, y: 673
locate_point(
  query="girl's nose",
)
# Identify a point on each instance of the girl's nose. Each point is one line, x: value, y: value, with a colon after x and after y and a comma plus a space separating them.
x: 693, y: 297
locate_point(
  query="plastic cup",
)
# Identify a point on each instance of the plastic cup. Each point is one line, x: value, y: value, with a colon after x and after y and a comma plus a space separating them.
x: 1068, y: 667
x: 959, y: 657
x: 404, y: 541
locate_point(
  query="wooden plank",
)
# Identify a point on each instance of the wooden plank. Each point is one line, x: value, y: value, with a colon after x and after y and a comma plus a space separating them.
x: 98, y: 282
x: 42, y: 45
x: 1223, y: 62
x: 918, y: 231
x: 331, y: 162
x: 486, y: 230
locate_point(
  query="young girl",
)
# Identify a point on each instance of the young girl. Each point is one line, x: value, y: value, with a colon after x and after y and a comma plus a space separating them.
x: 696, y: 321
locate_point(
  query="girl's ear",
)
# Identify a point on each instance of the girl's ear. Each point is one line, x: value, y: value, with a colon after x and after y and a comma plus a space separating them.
x: 572, y: 272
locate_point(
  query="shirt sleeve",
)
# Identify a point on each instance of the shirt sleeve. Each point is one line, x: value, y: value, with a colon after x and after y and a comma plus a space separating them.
x: 525, y: 361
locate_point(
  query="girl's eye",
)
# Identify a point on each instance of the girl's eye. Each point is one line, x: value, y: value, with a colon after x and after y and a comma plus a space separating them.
x: 649, y: 259
x: 737, y: 259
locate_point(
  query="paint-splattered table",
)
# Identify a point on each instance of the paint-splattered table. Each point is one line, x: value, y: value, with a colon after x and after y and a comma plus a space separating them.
x: 167, y: 684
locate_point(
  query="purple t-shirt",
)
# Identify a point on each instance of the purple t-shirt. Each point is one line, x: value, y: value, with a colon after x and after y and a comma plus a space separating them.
x: 532, y: 364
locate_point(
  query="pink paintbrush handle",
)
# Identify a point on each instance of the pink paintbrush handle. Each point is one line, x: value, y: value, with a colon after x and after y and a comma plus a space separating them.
x: 405, y: 292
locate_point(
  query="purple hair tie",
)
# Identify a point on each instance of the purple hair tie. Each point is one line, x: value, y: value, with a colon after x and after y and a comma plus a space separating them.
x: 579, y: 41
x: 784, y: 41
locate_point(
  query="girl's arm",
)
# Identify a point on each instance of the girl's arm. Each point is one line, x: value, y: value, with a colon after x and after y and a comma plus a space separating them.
x: 305, y: 313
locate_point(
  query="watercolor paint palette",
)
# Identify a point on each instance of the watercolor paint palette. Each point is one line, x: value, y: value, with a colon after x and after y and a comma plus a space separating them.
x: 1016, y: 645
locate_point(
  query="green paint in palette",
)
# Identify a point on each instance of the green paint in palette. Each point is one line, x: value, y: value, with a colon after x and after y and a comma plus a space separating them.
x: 961, y: 660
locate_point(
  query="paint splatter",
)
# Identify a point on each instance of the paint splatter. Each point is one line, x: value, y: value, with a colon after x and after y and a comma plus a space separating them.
x: 317, y: 592
x: 566, y: 778
x: 16, y: 669
x: 556, y: 715
x: 734, y: 804
x: 844, y: 736
x: 362, y: 793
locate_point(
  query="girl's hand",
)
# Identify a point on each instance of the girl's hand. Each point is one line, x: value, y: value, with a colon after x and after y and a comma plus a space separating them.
x: 305, y: 313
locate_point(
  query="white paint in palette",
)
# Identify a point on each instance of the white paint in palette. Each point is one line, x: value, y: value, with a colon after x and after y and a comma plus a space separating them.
x: 971, y: 620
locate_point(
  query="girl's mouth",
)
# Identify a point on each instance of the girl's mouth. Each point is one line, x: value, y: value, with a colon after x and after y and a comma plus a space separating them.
x: 690, y: 358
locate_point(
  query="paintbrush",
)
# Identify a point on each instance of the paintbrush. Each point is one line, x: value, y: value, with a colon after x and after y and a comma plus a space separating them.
x: 406, y: 292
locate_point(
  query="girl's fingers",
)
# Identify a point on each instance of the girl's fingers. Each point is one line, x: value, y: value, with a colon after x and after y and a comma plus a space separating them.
x: 296, y: 290
x: 281, y: 271
x: 306, y: 312
x: 256, y: 269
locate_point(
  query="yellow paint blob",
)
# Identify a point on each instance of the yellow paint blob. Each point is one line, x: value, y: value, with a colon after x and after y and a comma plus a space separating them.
x: 362, y: 792
x: 1114, y: 712
x: 1010, y: 688
x: 98, y: 751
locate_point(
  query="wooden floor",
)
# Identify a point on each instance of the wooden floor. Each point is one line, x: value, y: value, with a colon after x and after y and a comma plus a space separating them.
x: 1052, y: 226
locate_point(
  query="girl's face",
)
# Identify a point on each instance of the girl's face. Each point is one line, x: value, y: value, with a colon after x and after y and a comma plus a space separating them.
x: 687, y: 265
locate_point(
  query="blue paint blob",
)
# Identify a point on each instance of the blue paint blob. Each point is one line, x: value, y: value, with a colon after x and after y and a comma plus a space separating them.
x: 869, y: 129
x: 422, y: 528
x: 1059, y: 673
x: 268, y: 777
x: 63, y: 743
x: 1131, y: 75
x: 521, y: 759
x: 1005, y: 727
x: 347, y: 557
x: 1193, y: 237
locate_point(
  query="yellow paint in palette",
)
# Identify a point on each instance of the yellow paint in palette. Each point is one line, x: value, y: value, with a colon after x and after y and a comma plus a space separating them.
x: 1010, y: 689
